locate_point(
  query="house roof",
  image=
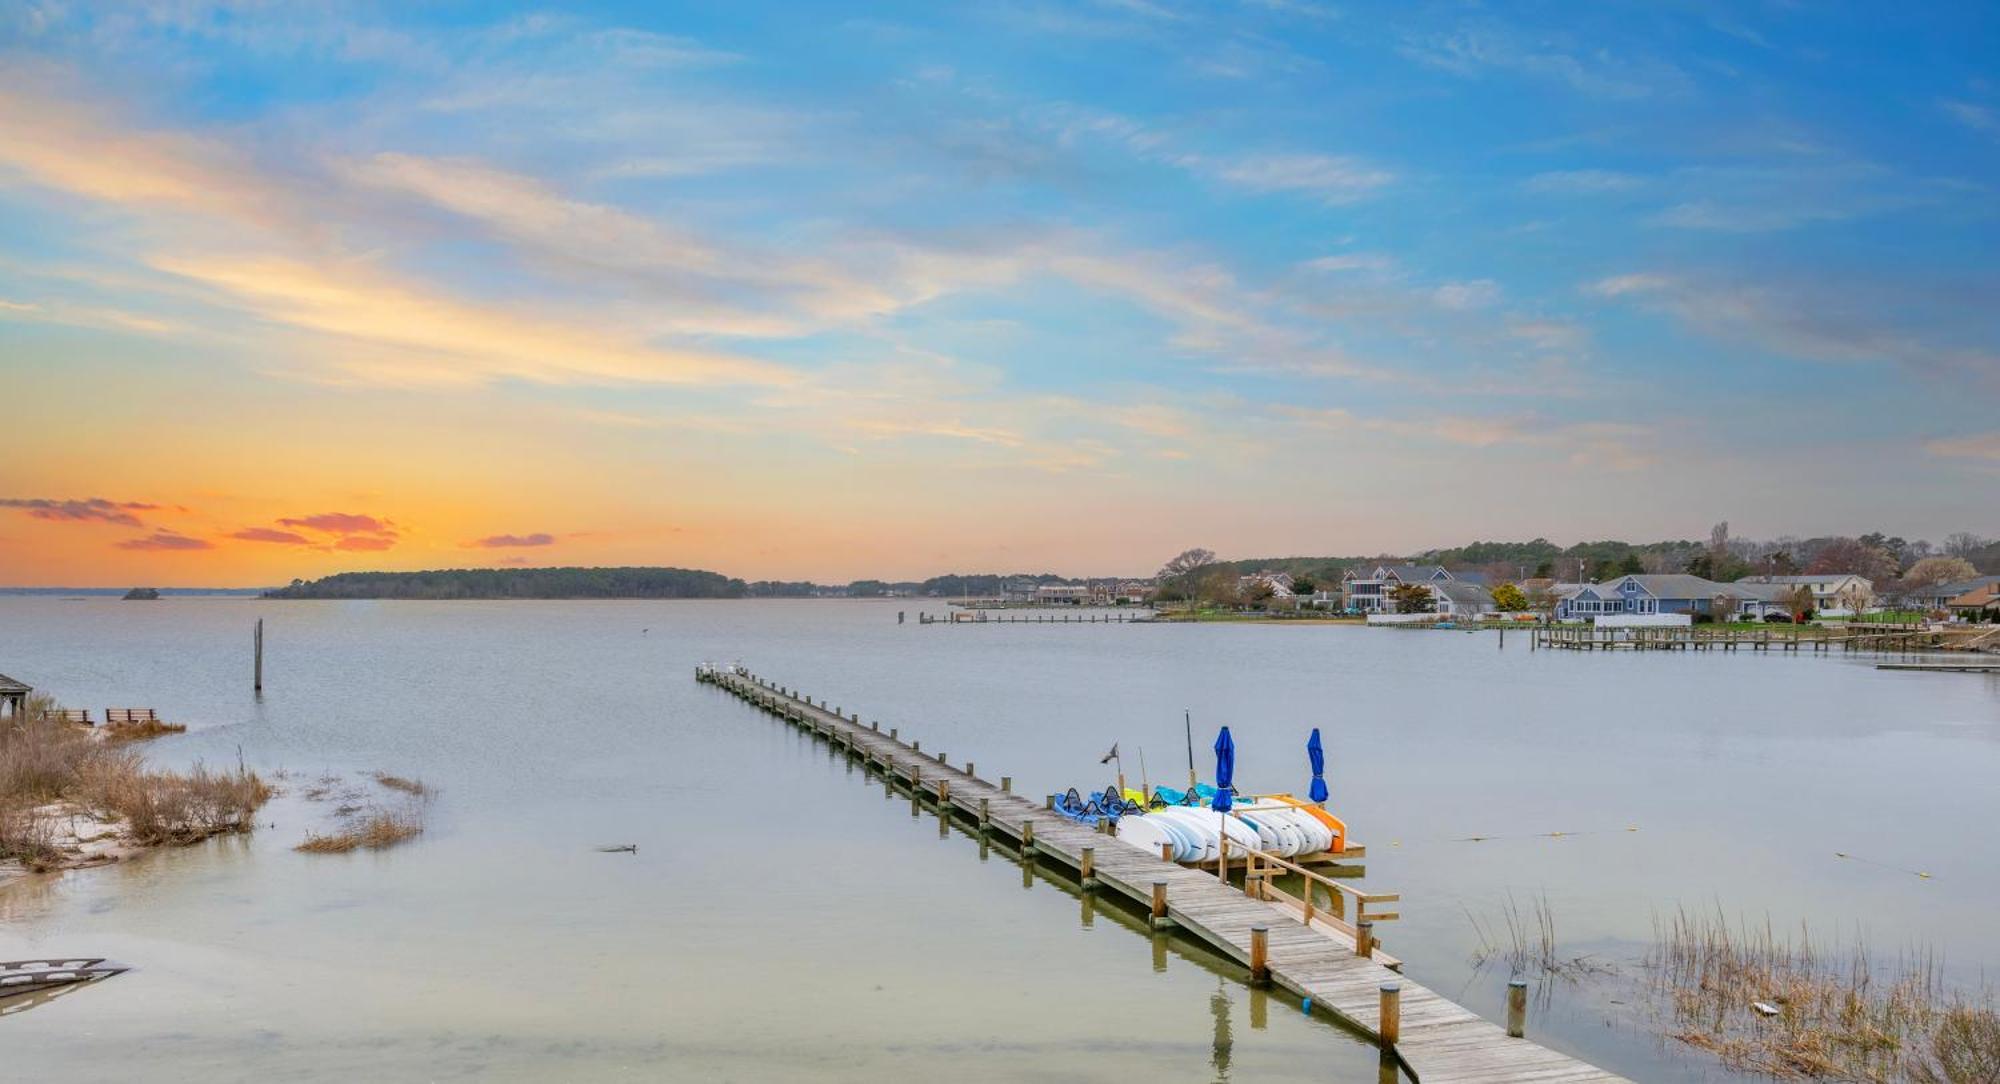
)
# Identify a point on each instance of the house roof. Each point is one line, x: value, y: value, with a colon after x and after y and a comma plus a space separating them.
x: 1824, y: 577
x: 11, y: 687
x: 1460, y: 591
x: 1959, y: 587
x: 1667, y: 585
x: 1984, y: 595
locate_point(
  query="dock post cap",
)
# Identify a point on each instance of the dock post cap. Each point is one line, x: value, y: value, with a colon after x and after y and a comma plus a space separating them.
x: 1253, y: 929
x: 1517, y: 984
x: 1392, y: 987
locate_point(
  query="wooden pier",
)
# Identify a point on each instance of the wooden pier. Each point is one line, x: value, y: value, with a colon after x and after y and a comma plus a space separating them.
x: 1779, y: 638
x: 989, y: 617
x: 1947, y: 666
x: 1279, y: 939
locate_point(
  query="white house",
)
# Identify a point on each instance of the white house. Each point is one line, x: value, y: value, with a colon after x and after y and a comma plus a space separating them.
x: 1833, y: 592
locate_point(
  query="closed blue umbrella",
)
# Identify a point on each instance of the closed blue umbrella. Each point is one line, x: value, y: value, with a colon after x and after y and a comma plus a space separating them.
x: 1225, y: 768
x: 1317, y: 754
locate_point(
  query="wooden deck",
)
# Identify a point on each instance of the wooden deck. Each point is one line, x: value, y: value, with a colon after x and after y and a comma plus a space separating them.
x: 1964, y: 666
x: 1440, y: 1042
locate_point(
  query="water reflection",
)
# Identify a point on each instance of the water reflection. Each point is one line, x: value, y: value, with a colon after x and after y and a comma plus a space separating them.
x: 848, y: 947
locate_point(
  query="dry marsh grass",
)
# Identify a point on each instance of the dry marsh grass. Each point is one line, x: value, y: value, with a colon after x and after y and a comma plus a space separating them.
x: 415, y: 788
x: 122, y: 733
x: 45, y: 762
x: 1838, y: 1017
x: 379, y: 830
x: 1530, y: 947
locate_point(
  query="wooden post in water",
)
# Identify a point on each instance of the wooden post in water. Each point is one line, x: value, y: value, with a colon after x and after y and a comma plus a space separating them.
x: 1027, y: 837
x: 1006, y: 784
x: 1086, y: 868
x: 1517, y: 1008
x: 1390, y: 1026
x: 968, y: 768
x: 257, y: 640
x: 1260, y: 948
x: 1166, y: 853
x: 943, y: 791
x: 1159, y: 904
x: 1364, y: 938
x: 985, y: 813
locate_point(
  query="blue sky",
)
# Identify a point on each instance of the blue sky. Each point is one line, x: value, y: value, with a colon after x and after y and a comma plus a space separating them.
x: 805, y: 290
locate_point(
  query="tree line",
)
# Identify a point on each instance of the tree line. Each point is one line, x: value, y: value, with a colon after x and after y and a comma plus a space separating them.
x: 519, y: 583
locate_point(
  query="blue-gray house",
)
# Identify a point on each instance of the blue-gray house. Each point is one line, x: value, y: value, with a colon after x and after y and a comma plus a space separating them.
x: 1672, y: 593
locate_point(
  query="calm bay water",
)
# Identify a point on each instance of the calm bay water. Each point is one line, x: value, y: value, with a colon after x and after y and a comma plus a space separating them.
x: 781, y: 918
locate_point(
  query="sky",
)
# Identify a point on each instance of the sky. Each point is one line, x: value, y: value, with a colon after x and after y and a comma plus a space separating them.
x: 832, y: 291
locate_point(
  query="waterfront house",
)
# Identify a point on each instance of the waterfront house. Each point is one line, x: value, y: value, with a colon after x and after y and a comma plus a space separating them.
x: 1461, y: 599
x: 1673, y: 593
x: 1280, y: 583
x: 1940, y: 596
x: 1837, y: 593
x: 1982, y: 603
x: 1133, y: 591
x: 1368, y: 589
x: 1062, y: 594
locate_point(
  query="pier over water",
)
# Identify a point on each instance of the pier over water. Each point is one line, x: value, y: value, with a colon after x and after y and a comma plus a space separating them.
x: 1427, y: 1036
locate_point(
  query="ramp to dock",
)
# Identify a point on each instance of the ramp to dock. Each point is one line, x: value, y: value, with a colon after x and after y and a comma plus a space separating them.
x: 1436, y: 1040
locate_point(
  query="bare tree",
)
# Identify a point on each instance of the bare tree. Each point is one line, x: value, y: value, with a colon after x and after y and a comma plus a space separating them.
x: 1180, y: 576
x: 1935, y: 570
x: 1718, y: 541
x: 1963, y: 544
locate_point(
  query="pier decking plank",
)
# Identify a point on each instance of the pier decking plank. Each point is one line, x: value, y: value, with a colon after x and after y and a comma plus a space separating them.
x: 1441, y: 1042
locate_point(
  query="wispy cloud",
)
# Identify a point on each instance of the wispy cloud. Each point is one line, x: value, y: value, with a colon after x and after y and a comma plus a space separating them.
x: 1475, y: 51
x: 1330, y: 178
x: 511, y: 541
x: 85, y: 510
x: 1975, y: 446
x: 1574, y: 182
x: 1977, y: 117
x: 271, y: 534
x: 1806, y: 320
x: 164, y: 540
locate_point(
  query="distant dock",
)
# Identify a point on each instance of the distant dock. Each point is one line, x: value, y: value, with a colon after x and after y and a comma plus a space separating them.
x: 1865, y: 637
x: 989, y: 617
x: 1278, y: 939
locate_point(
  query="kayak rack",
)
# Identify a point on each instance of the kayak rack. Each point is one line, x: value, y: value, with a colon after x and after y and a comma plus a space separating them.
x: 1421, y: 1033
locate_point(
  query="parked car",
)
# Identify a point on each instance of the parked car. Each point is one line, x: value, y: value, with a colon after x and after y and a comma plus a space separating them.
x: 1778, y: 619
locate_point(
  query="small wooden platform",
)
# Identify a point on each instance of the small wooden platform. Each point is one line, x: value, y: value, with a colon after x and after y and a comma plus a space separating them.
x: 1441, y: 1042
x: 1960, y: 666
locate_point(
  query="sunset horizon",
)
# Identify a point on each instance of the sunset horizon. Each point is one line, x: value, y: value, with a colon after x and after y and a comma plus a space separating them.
x: 287, y: 292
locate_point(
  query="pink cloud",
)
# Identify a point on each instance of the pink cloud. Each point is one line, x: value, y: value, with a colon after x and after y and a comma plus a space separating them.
x: 270, y: 534
x: 166, y: 540
x: 365, y: 542
x: 342, y: 523
x: 91, y: 509
x: 509, y: 541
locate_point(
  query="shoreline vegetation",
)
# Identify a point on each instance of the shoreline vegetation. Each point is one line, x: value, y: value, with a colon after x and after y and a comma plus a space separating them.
x: 1796, y: 1008
x: 71, y: 797
x: 362, y: 824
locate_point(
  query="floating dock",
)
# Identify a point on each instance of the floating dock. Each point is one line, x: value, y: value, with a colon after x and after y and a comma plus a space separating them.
x: 1282, y: 942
